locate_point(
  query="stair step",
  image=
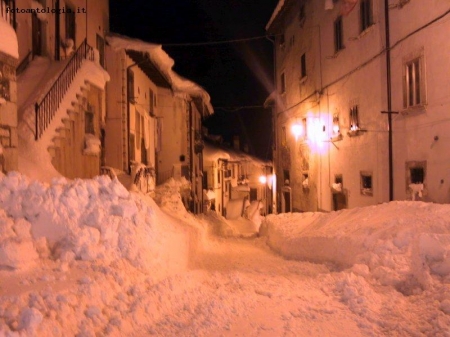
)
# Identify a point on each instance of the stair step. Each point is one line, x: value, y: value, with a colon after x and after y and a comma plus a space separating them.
x: 84, y: 90
x: 79, y: 96
x: 52, y: 150
x: 63, y: 131
x: 57, y: 140
x: 87, y: 84
x: 72, y: 114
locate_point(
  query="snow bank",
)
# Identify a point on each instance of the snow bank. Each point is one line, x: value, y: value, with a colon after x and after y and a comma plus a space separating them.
x: 84, y: 220
x: 402, y: 244
x: 164, y: 63
x: 8, y: 43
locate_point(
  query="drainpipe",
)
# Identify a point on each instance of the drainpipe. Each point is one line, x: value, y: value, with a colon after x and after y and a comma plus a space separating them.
x: 191, y: 158
x: 389, y: 100
x: 274, y: 125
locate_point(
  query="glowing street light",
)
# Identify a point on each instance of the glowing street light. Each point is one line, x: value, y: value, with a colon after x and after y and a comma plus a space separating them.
x: 263, y: 180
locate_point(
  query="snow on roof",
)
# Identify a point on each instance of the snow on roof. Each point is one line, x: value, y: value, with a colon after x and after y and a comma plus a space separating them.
x: 213, y: 152
x: 8, y: 42
x: 270, y: 99
x: 275, y: 13
x: 180, y: 85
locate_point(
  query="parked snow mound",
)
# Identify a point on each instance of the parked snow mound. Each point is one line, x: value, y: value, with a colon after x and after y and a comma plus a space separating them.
x: 87, y: 220
x: 402, y: 244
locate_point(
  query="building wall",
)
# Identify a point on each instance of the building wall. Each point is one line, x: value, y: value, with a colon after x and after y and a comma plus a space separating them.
x: 8, y: 113
x: 356, y: 76
x: 421, y: 132
x: 117, y: 120
x: 116, y: 151
x: 334, y: 83
x: 91, y: 19
x: 173, y: 149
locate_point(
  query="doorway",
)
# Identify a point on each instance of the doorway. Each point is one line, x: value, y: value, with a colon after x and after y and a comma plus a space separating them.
x: 36, y: 36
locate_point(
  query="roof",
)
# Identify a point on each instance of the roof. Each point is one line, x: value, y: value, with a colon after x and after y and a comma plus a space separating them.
x: 283, y: 6
x: 164, y: 64
x: 148, y: 68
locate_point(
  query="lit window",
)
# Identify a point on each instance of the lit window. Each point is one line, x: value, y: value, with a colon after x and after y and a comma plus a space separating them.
x: 354, y: 119
x: 366, y: 183
x: 338, y: 34
x: 366, y: 14
x: 303, y: 65
x: 413, y: 83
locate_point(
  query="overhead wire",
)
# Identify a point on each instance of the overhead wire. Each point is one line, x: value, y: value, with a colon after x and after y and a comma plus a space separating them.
x: 213, y: 43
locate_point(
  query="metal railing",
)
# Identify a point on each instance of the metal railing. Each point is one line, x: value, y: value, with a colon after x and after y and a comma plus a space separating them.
x: 5, y: 11
x: 164, y: 176
x: 24, y: 63
x: 46, y: 109
x: 108, y: 171
x: 145, y: 179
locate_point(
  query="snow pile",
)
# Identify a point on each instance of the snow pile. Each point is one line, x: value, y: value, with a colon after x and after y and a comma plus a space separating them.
x: 402, y: 244
x: 76, y: 258
x: 85, y: 220
x: 8, y: 43
x: 164, y: 63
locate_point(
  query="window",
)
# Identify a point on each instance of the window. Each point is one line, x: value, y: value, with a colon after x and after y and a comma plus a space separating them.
x: 354, y: 119
x: 283, y: 83
x: 414, y: 85
x: 302, y: 15
x: 151, y: 102
x: 286, y: 177
x: 89, y: 120
x: 137, y: 128
x: 336, y: 127
x: 366, y: 14
x: 305, y: 128
x: 417, y: 175
x: 253, y: 194
x: 338, y: 34
x: 292, y: 41
x: 366, y: 183
x: 70, y: 24
x: 303, y: 65
x: 283, y: 136
x: 130, y: 86
x: 282, y: 40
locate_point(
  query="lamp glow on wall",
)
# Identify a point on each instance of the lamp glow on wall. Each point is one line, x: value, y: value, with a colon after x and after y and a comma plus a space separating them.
x: 298, y: 130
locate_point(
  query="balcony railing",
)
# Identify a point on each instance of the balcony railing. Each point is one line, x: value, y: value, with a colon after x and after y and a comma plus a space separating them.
x: 5, y: 11
x: 46, y: 109
x: 145, y: 179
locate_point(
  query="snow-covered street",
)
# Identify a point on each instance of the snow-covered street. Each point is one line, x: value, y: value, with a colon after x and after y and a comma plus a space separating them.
x: 88, y: 258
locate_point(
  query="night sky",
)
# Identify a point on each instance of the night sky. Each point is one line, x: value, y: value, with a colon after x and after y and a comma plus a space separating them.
x: 236, y: 75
